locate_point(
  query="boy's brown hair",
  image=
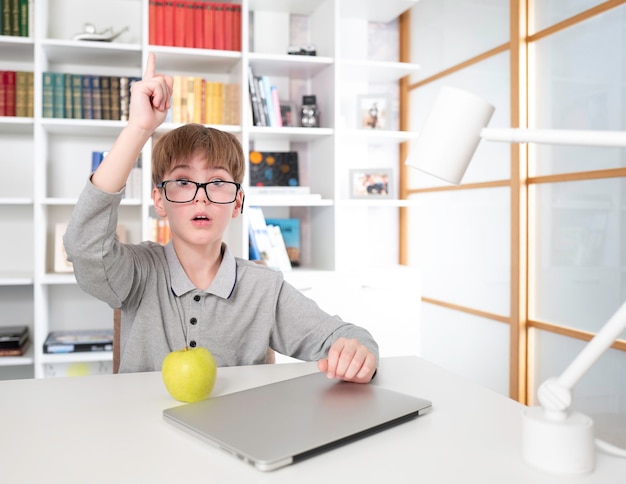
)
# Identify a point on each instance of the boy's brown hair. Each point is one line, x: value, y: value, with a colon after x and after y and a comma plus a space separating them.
x: 219, y: 148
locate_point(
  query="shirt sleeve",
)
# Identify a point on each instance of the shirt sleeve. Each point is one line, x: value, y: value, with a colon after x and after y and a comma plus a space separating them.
x: 100, y: 261
x: 303, y: 330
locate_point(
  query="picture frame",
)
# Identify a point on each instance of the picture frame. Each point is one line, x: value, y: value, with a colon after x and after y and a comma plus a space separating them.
x: 289, y: 114
x: 373, y: 111
x: 371, y: 183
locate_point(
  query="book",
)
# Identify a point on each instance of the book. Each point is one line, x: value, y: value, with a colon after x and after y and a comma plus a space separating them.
x: 218, y: 26
x: 105, y: 106
x: 77, y: 96
x: 75, y: 341
x: 67, y: 97
x: 209, y: 31
x: 115, y: 98
x: 58, y: 101
x: 47, y: 95
x: 13, y: 337
x: 20, y: 351
x: 267, y: 241
x: 96, y: 96
x: 189, y: 22
x: 273, y: 168
x: 87, y: 81
x: 9, y: 93
x: 290, y: 231
x: 255, y: 102
x: 21, y: 93
x: 168, y: 22
x: 179, y: 23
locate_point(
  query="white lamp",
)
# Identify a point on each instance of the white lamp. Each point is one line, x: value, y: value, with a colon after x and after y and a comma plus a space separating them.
x: 554, y: 439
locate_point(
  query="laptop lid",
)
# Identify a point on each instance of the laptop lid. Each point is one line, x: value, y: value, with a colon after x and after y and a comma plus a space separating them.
x: 272, y: 426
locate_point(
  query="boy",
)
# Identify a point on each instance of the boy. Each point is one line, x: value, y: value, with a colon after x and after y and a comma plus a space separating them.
x: 193, y: 291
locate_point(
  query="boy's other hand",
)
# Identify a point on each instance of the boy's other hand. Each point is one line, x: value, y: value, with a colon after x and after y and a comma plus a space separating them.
x: 150, y: 98
x: 349, y: 360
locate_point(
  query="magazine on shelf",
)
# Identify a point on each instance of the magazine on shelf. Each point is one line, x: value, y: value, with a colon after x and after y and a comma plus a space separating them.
x: 74, y: 341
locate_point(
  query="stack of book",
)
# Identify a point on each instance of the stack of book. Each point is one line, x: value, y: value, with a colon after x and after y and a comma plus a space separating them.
x: 14, y: 340
x: 264, y: 101
x: 75, y: 341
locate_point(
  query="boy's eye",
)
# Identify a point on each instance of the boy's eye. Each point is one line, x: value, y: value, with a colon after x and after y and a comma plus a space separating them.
x: 182, y: 182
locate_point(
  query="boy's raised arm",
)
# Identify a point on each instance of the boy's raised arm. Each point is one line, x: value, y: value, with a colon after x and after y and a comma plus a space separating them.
x: 149, y: 102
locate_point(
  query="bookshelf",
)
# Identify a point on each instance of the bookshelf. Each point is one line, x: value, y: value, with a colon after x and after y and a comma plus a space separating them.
x: 46, y: 161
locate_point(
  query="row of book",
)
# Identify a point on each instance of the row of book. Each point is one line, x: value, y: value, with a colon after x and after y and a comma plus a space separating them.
x: 202, y: 101
x: 264, y: 101
x: 194, y: 24
x: 159, y: 230
x: 86, y: 96
x: 15, y: 340
x: 16, y: 93
x: 274, y: 242
x: 14, y: 20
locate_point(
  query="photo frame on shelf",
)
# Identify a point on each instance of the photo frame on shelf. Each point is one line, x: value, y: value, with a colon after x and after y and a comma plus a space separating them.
x: 289, y: 114
x: 373, y: 111
x: 371, y: 183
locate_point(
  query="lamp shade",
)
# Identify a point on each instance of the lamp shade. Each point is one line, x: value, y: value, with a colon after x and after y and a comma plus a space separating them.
x: 450, y: 135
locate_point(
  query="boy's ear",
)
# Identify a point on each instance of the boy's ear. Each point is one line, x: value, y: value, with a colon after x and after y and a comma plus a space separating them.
x: 157, y: 199
x: 238, y: 208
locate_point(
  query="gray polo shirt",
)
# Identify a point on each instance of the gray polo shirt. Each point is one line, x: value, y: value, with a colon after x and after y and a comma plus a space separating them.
x: 247, y: 308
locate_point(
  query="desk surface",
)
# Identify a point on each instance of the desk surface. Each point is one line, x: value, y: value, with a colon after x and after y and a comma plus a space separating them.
x: 110, y: 429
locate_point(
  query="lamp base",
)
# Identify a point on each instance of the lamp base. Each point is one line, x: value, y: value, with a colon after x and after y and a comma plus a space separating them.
x: 558, y: 446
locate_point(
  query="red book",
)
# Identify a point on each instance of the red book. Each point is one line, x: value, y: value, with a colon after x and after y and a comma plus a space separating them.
x: 9, y: 99
x: 236, y: 27
x: 190, y: 9
x: 209, y: 29
x: 3, y: 81
x: 218, y: 24
x: 228, y: 26
x: 152, y: 22
x: 179, y: 23
x: 159, y: 27
x: 198, y: 25
x: 168, y: 22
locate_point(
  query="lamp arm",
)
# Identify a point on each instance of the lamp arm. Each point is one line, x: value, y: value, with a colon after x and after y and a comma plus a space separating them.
x: 555, y: 393
x: 556, y: 136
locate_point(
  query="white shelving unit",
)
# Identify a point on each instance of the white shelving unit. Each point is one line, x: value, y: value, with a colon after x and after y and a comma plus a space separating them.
x: 46, y: 161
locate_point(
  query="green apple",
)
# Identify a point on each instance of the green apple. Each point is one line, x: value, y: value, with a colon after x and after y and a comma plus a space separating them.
x: 189, y: 374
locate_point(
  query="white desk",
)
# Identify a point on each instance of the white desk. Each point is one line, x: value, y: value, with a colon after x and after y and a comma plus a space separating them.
x: 110, y: 429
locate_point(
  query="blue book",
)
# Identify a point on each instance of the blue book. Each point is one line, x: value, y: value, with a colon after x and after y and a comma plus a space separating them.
x: 290, y: 230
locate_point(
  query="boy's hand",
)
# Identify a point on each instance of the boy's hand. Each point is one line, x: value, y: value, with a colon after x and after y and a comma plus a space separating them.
x: 349, y: 360
x: 150, y: 98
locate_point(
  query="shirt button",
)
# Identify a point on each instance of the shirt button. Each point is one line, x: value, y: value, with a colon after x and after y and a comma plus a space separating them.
x: 193, y: 320
x: 192, y: 343
x: 196, y: 298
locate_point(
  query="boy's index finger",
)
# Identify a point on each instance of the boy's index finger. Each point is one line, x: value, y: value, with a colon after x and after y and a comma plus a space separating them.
x: 150, y: 66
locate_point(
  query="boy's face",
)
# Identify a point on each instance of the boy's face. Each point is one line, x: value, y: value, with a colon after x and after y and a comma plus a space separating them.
x: 200, y: 221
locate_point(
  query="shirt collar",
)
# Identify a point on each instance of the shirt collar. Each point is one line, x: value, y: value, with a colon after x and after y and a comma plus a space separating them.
x: 223, y: 284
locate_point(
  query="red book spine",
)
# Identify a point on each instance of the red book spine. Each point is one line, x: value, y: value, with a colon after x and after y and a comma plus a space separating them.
x: 159, y: 27
x: 228, y: 26
x: 209, y: 29
x: 152, y: 22
x: 9, y: 100
x: 3, y: 82
x: 190, y: 8
x: 179, y: 23
x: 168, y: 22
x: 236, y: 27
x: 218, y: 23
x: 198, y: 25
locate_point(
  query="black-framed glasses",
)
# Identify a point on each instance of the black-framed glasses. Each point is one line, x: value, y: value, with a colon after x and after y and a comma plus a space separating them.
x: 184, y: 191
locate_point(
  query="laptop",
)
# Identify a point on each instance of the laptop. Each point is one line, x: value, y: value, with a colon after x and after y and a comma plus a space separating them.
x: 275, y: 425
